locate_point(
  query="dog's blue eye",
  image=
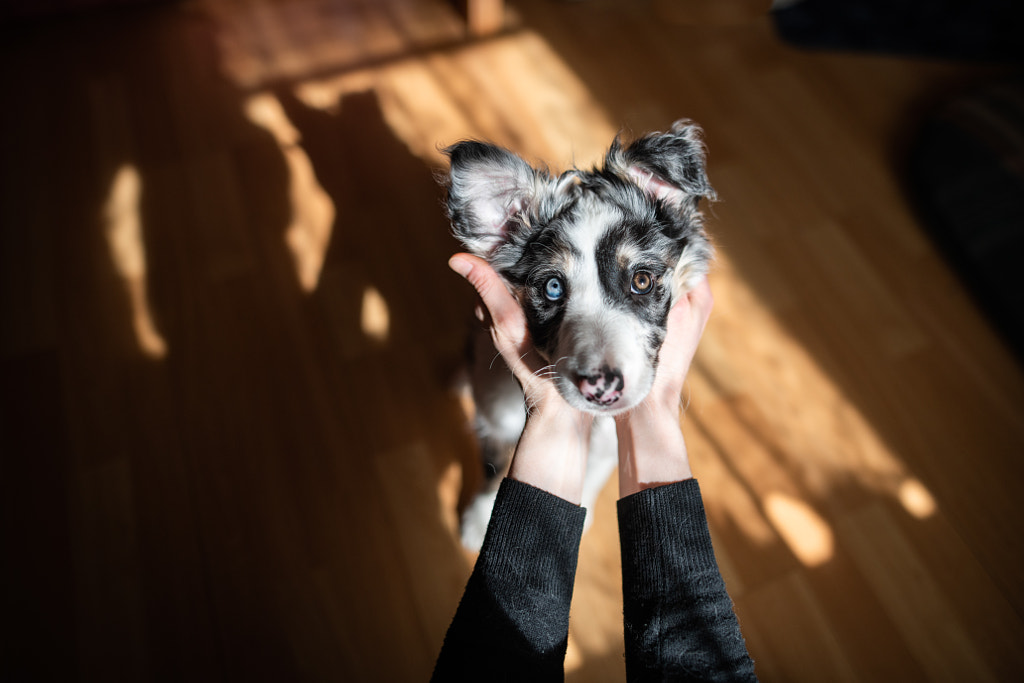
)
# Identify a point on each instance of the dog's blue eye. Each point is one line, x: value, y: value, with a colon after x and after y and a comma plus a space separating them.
x: 553, y: 290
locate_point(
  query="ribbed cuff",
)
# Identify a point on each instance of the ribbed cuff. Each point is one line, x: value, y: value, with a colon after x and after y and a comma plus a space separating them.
x: 663, y: 526
x: 533, y: 536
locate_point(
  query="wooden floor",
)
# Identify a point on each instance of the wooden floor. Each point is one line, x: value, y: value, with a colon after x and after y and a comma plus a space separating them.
x: 232, y: 445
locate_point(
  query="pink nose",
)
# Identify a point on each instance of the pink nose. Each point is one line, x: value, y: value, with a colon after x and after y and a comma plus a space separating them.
x: 603, y: 387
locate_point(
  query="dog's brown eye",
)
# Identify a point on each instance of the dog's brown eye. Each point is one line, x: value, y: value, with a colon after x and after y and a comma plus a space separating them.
x: 643, y: 282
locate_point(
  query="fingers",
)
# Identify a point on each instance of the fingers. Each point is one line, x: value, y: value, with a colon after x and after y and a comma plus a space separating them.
x: 690, y: 314
x: 501, y: 305
x: 701, y: 301
x: 507, y: 322
x: 508, y: 329
x: 700, y: 297
x: 686, y: 324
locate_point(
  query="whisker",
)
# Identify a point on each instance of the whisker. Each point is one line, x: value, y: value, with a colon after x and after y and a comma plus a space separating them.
x: 498, y: 355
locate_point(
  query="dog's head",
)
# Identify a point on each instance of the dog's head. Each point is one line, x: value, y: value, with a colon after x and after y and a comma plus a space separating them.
x: 595, y: 258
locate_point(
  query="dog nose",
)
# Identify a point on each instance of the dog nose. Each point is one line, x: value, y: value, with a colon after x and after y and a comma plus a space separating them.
x: 604, y: 387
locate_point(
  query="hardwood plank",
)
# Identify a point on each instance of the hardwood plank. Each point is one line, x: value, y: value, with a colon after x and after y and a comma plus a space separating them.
x: 784, y: 621
x: 34, y: 528
x: 910, y: 594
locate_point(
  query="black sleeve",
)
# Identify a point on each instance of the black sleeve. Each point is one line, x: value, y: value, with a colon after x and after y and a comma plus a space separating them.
x: 512, y: 623
x: 679, y: 619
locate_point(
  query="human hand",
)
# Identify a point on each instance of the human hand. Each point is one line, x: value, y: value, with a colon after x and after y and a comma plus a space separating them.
x: 507, y: 323
x: 686, y: 323
x: 651, y: 446
x: 552, y: 451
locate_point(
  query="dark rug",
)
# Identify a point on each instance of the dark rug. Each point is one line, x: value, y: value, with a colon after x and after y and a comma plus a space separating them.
x: 988, y: 30
x: 966, y: 174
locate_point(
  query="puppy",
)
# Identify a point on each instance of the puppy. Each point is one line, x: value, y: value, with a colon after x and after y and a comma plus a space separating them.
x: 596, y: 259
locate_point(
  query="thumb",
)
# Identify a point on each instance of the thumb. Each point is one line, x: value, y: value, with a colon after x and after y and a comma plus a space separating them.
x: 503, y: 308
x: 507, y: 321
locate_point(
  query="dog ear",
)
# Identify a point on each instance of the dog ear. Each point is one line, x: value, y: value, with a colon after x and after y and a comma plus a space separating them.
x: 666, y: 166
x: 490, y: 194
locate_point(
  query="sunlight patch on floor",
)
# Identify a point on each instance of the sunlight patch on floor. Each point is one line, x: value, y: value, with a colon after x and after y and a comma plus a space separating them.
x: 375, y: 318
x: 808, y: 536
x: 436, y: 100
x: 123, y: 230
x: 312, y: 210
x: 774, y: 430
x: 916, y: 499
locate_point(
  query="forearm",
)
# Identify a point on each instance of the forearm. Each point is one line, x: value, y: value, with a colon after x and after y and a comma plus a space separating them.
x: 513, y: 620
x: 678, y: 617
x: 552, y: 452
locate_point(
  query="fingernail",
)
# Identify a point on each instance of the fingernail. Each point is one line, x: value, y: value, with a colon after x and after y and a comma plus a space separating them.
x: 460, y: 266
x: 478, y: 310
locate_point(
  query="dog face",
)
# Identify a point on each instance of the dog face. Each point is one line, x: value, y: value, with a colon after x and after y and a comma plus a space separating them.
x: 595, y: 258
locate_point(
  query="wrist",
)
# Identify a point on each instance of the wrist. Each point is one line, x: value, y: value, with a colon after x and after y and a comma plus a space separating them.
x: 552, y: 451
x: 652, y: 450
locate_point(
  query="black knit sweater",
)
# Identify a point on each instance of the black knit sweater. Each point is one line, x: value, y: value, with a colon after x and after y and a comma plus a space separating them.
x: 512, y: 623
